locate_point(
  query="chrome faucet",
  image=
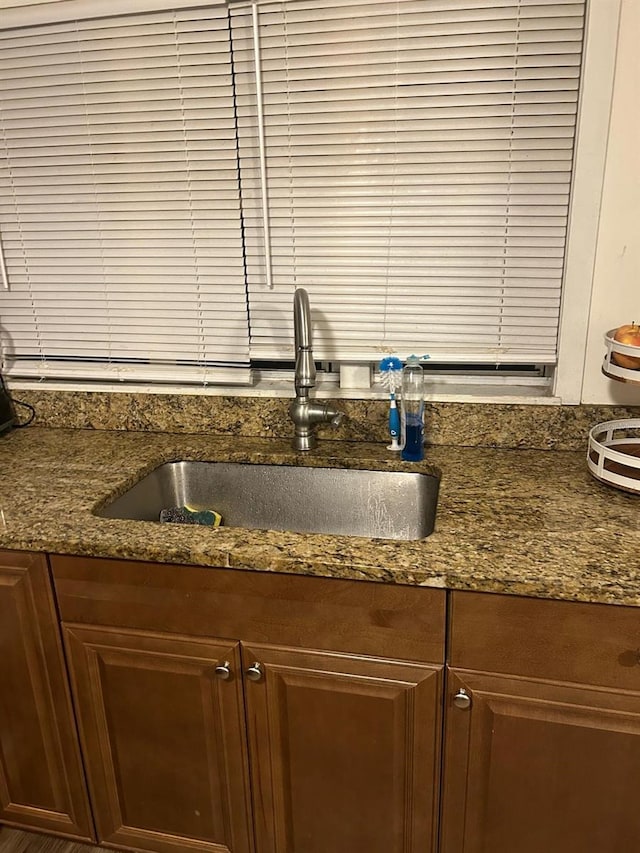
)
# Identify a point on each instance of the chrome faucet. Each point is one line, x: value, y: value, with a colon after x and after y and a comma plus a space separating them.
x: 306, y: 413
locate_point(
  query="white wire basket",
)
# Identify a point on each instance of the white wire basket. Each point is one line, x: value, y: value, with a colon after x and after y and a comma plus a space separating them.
x: 613, y: 370
x: 613, y: 456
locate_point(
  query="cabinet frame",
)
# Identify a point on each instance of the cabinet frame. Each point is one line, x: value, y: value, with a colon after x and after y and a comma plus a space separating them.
x: 96, y: 653
x: 542, y: 726
x: 37, y: 722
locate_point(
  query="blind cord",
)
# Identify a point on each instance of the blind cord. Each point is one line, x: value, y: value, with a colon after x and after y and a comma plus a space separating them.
x: 266, y: 225
x: 3, y: 268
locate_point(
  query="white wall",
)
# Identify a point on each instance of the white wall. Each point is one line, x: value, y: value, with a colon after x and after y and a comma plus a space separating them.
x: 616, y: 282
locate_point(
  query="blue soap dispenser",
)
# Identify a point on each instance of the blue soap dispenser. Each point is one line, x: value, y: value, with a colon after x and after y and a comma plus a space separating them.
x: 412, y: 410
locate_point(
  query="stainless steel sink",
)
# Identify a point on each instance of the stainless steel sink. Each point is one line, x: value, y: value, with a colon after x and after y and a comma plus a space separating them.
x: 377, y: 504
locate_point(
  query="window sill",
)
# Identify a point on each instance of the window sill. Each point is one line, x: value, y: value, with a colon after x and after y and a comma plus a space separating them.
x: 535, y: 392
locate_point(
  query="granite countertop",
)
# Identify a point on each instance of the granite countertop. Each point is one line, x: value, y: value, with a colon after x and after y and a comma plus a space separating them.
x: 523, y: 522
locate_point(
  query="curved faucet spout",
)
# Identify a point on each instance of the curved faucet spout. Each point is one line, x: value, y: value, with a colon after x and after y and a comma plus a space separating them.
x: 305, y: 376
x: 306, y: 413
x: 301, y: 319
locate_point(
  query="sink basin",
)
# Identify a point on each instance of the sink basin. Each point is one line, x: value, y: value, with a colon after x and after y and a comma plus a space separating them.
x: 377, y: 504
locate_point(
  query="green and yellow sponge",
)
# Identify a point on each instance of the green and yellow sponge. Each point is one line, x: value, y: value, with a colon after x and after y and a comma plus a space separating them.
x: 188, y: 515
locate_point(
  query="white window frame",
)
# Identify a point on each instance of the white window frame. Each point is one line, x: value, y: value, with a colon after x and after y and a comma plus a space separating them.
x: 592, y: 134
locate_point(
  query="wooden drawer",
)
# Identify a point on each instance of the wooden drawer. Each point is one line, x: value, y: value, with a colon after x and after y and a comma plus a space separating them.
x: 360, y: 617
x: 595, y: 644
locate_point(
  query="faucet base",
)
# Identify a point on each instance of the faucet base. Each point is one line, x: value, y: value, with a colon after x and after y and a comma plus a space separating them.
x: 306, y: 414
x: 304, y: 442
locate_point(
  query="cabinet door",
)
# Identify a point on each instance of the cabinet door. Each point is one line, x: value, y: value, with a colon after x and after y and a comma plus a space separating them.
x: 539, y: 766
x: 41, y: 777
x: 164, y: 739
x: 344, y: 752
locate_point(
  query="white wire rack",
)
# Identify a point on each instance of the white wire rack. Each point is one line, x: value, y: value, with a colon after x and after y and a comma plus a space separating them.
x: 613, y: 456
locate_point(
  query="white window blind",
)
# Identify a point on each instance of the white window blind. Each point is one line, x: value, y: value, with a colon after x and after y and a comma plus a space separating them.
x: 419, y: 161
x: 119, y: 210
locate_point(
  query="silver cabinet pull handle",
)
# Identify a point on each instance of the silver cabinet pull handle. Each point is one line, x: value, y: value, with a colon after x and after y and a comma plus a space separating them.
x: 223, y: 671
x: 462, y: 699
x: 255, y: 672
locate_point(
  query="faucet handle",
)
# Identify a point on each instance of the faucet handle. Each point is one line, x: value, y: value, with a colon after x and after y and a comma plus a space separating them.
x: 334, y: 416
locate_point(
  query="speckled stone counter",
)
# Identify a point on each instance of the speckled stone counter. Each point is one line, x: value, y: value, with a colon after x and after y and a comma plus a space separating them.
x: 524, y: 522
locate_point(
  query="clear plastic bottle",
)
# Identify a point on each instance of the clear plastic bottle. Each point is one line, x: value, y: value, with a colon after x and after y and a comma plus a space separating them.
x: 412, y: 410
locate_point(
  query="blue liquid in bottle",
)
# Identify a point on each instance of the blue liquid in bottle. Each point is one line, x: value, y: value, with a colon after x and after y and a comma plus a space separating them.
x: 412, y: 410
x: 413, y: 450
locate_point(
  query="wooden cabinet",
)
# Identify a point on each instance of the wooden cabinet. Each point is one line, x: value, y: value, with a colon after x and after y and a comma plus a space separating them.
x: 164, y: 739
x: 533, y: 762
x: 225, y: 711
x: 324, y: 736
x: 41, y: 777
x: 345, y: 752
